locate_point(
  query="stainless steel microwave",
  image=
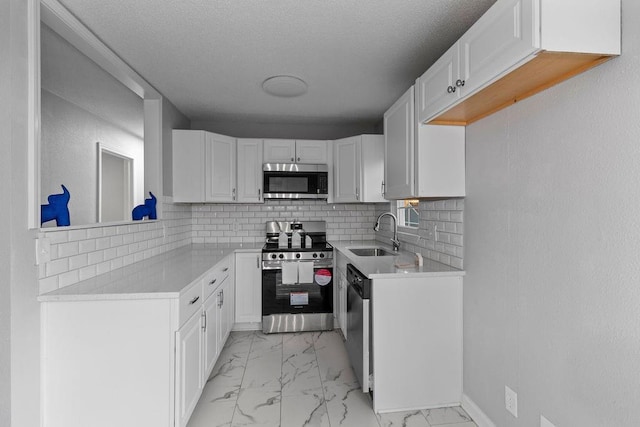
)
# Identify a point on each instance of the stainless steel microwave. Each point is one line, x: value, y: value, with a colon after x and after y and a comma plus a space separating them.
x: 295, y: 181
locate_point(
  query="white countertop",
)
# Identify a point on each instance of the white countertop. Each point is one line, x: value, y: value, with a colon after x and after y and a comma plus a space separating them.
x: 162, y: 276
x: 168, y: 274
x: 385, y: 266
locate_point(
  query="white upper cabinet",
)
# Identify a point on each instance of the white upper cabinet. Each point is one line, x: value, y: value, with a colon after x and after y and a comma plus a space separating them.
x: 421, y: 160
x: 188, y: 165
x: 311, y: 151
x: 295, y: 151
x: 346, y: 167
x: 250, y: 171
x: 399, y: 137
x: 358, y: 167
x: 516, y: 49
x: 204, y: 167
x: 279, y: 151
x: 436, y: 89
x: 220, y: 168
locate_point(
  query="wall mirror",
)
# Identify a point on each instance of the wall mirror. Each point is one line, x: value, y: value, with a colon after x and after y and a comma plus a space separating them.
x: 97, y: 124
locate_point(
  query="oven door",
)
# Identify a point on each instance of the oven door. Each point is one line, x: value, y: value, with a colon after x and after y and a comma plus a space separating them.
x: 316, y: 297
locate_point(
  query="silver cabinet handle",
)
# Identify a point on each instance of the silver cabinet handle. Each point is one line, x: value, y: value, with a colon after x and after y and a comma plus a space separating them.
x: 451, y: 89
x: 292, y: 159
x: 357, y: 193
x: 224, y: 270
x: 258, y: 262
x: 213, y: 282
x: 233, y: 193
x: 259, y: 193
x: 298, y: 158
x: 222, y: 297
x: 193, y: 301
x: 382, y: 188
x: 204, y: 319
x: 460, y: 83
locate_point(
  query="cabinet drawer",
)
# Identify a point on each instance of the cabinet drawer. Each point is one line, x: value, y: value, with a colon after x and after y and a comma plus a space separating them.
x: 214, y: 277
x: 190, y: 302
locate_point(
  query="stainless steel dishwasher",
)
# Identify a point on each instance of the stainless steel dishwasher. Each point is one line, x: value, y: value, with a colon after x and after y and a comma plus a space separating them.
x: 359, y: 325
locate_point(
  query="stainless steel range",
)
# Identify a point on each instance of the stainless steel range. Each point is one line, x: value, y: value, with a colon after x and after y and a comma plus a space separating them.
x: 297, y: 282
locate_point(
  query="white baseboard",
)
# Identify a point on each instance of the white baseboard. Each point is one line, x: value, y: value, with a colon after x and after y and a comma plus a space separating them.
x: 247, y: 326
x: 480, y: 418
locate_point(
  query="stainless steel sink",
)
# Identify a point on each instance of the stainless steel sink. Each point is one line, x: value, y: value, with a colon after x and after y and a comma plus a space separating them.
x: 371, y: 252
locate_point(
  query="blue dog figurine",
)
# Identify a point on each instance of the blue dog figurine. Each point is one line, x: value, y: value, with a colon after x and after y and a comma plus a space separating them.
x: 57, y: 209
x: 148, y: 209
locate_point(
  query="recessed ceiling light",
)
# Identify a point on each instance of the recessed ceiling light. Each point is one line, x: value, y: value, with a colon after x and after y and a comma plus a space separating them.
x: 285, y: 86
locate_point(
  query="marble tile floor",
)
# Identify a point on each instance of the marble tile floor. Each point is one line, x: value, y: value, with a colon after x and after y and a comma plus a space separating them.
x: 296, y: 380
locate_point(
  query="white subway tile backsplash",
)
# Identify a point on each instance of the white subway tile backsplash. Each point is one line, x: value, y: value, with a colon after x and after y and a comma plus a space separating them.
x: 67, y: 249
x: 82, y: 254
x: 447, y: 244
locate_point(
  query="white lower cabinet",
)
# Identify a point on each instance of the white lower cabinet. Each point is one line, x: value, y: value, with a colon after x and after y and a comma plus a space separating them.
x: 189, y: 368
x: 211, y: 327
x: 340, y: 294
x: 248, y: 289
x: 423, y: 318
x: 122, y: 361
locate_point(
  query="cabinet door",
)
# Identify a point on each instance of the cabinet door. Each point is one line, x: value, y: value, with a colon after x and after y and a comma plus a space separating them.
x: 188, y: 166
x: 189, y: 368
x: 211, y: 325
x: 220, y: 168
x: 310, y: 151
x: 436, y: 88
x: 250, y: 171
x: 279, y: 151
x: 501, y: 39
x: 225, y: 312
x: 343, y: 304
x: 347, y: 174
x: 399, y: 133
x: 248, y: 287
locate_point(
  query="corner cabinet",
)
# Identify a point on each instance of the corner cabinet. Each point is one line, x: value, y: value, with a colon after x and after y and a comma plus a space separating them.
x: 358, y: 167
x: 421, y: 160
x: 516, y: 49
x: 105, y: 352
x: 204, y: 167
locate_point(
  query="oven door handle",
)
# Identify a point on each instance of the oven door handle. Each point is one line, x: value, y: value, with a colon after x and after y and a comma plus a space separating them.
x: 268, y: 266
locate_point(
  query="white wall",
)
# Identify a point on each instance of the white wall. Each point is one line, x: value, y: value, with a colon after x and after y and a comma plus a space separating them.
x: 81, y: 106
x: 5, y: 226
x: 25, y: 314
x: 249, y: 129
x: 552, y: 226
x: 171, y: 119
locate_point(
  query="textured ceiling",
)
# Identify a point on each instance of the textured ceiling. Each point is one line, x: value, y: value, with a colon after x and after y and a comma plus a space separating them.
x: 210, y: 57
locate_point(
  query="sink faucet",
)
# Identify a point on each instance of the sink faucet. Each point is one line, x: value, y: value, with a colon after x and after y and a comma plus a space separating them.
x: 394, y: 240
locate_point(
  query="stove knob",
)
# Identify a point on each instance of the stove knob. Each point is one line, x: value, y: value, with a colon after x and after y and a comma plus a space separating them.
x: 297, y: 255
x: 315, y: 255
x: 321, y: 255
x: 274, y: 256
x: 281, y: 256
